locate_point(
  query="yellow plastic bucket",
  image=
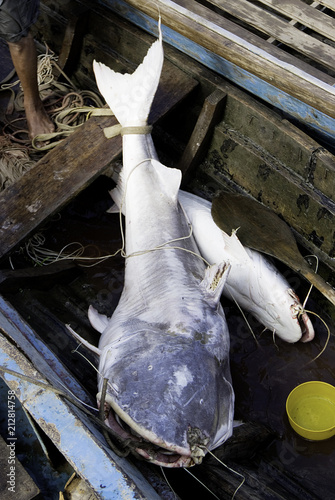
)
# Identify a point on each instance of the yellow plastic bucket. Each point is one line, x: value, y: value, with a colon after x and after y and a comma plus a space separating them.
x: 311, y: 410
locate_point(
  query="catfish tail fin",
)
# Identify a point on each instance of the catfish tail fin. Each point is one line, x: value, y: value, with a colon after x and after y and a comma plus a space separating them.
x: 130, y: 95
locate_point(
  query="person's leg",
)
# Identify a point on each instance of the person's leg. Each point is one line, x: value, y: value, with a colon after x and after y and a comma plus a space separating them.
x: 24, y: 58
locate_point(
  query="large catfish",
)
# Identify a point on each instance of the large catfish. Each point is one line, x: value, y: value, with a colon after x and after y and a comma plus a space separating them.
x: 165, y: 350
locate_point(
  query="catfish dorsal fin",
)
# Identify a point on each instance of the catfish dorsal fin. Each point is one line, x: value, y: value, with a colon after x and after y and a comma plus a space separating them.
x: 214, y: 281
x: 169, y: 178
x: 234, y: 246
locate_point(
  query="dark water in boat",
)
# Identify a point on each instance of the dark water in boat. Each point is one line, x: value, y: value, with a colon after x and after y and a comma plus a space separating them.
x: 279, y: 465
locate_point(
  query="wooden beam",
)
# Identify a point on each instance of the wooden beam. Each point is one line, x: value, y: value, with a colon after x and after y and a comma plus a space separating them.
x: 297, y: 10
x: 54, y: 180
x: 72, y: 40
x: 197, y: 145
x: 240, y: 47
x: 66, y: 170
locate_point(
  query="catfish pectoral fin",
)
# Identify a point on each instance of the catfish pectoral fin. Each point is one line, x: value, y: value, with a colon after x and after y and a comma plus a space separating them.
x: 97, y: 320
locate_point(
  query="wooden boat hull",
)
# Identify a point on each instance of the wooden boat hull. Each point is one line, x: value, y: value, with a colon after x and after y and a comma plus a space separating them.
x: 233, y: 142
x: 287, y: 81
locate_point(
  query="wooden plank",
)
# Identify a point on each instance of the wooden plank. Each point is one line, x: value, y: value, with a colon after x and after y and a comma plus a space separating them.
x: 200, y: 25
x: 328, y: 3
x: 314, y: 5
x: 317, y: 120
x: 305, y: 14
x: 136, y: 13
x: 73, y: 38
x: 55, y: 179
x: 63, y: 172
x: 282, y: 31
x: 263, y: 176
x: 197, y: 145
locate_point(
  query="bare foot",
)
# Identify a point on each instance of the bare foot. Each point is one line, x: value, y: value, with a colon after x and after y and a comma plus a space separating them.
x: 24, y: 58
x: 38, y: 121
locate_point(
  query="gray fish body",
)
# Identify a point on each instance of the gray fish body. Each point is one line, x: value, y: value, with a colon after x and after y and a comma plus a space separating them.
x: 165, y: 350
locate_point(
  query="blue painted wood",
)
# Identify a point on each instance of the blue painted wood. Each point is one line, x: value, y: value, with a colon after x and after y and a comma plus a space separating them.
x: 80, y: 442
x: 39, y: 354
x: 309, y: 116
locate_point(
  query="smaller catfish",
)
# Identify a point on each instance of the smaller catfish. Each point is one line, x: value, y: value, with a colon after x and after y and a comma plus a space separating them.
x: 253, y: 281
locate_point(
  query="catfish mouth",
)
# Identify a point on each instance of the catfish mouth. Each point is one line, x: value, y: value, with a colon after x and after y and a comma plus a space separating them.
x: 141, y: 447
x: 306, y: 327
x: 144, y: 449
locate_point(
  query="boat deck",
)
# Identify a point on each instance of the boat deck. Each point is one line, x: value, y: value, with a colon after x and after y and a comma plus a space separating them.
x: 300, y: 28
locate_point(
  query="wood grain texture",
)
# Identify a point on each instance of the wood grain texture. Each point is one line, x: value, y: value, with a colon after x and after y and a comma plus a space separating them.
x: 236, y: 45
x: 296, y: 10
x: 197, y: 146
x: 71, y: 166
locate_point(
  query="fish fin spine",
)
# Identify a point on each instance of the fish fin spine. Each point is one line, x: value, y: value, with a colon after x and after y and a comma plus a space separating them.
x: 214, y: 281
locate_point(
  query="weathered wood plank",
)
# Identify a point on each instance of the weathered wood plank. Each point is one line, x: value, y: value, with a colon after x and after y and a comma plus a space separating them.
x: 305, y: 14
x: 198, y: 143
x: 55, y: 179
x: 282, y: 31
x: 63, y: 172
x: 297, y: 151
x: 202, y: 26
x: 72, y: 38
x: 234, y: 156
x: 328, y: 3
x: 314, y: 5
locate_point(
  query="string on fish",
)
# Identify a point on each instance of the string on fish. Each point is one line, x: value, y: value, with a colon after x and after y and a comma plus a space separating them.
x: 245, y: 318
x: 231, y: 470
x: 72, y: 399
x: 303, y: 310
x: 43, y: 256
x: 328, y: 335
x: 167, y: 482
x: 92, y: 365
x: 163, y: 246
x: 202, y: 484
x: 311, y: 286
x: 86, y: 359
x: 121, y: 453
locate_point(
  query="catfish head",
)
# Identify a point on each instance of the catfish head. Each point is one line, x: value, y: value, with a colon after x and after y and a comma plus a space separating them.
x: 169, y: 396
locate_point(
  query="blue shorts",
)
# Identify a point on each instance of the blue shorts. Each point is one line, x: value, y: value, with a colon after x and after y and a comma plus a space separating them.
x: 16, y: 17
